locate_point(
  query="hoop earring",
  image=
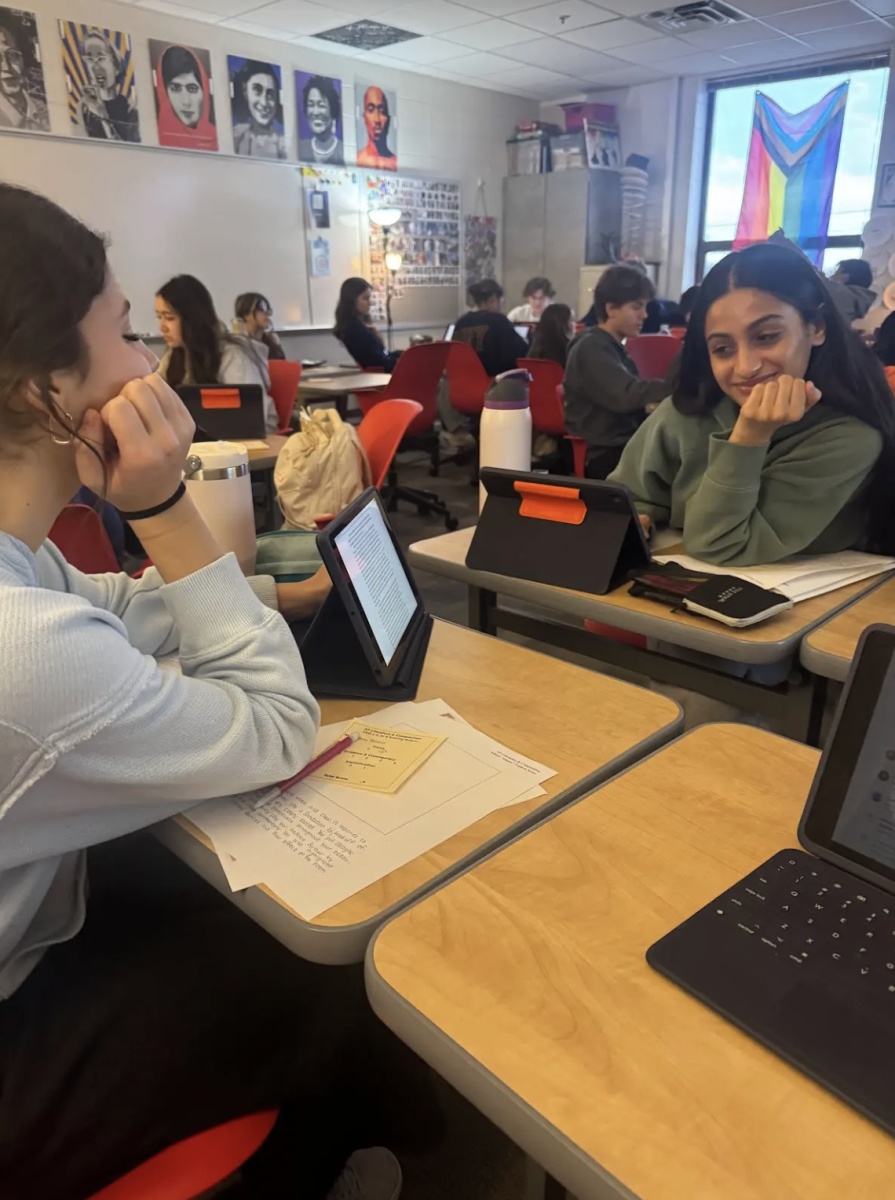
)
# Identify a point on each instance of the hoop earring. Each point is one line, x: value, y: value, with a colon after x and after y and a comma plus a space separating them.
x: 69, y: 438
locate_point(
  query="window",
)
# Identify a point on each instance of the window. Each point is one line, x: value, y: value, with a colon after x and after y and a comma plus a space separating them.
x: 727, y: 146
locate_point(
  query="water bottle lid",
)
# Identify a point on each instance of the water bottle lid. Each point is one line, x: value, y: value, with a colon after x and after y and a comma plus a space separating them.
x: 509, y: 390
x: 215, y: 455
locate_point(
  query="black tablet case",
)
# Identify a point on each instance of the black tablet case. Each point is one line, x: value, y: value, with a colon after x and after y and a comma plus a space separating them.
x: 335, y: 662
x: 582, y: 533
x: 224, y: 413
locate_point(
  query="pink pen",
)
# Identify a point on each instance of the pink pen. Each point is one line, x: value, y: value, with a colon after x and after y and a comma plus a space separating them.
x: 329, y: 753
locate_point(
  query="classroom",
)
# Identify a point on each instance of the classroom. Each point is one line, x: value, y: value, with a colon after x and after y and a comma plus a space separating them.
x: 447, y: 600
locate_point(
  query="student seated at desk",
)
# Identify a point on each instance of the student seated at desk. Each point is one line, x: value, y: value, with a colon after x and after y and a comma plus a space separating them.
x: 138, y: 1007
x: 605, y: 398
x: 200, y: 350
x: 488, y: 331
x: 254, y: 319
x: 779, y: 438
x: 537, y: 293
x: 355, y: 330
x: 554, y: 334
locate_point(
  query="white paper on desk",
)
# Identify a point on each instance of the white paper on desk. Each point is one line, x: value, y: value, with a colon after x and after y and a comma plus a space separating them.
x: 799, y: 578
x: 314, y: 850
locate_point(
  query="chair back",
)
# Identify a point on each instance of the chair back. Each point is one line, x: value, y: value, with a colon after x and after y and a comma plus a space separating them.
x: 467, y: 379
x: 80, y: 536
x: 381, y: 431
x: 653, y: 353
x: 544, y: 398
x: 285, y: 377
x: 416, y: 376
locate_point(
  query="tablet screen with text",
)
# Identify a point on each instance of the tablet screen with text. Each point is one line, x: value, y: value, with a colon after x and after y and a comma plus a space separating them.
x: 377, y: 577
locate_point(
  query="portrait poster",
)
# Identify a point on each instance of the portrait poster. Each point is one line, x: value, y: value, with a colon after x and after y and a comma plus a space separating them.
x: 256, y: 107
x: 377, y: 132
x: 99, y: 76
x: 23, y: 93
x: 480, y: 249
x: 318, y: 102
x: 184, y: 96
x: 603, y: 146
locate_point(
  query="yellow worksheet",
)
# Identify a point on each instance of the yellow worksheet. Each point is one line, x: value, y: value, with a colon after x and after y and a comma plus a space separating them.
x: 380, y: 760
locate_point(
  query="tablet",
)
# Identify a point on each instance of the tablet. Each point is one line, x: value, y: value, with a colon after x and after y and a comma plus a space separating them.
x: 371, y: 575
x: 849, y: 818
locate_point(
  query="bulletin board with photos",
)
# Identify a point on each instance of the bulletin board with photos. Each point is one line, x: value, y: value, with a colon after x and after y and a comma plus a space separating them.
x: 427, y: 236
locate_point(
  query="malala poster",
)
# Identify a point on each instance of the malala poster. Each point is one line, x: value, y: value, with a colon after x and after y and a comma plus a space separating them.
x: 184, y: 97
x: 99, y: 75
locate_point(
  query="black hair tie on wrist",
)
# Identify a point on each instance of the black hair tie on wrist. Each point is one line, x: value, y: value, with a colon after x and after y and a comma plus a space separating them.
x: 159, y: 508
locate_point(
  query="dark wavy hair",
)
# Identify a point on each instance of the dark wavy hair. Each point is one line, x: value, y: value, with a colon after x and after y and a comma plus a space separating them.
x: 480, y: 293
x: 551, y: 336
x: 177, y: 60
x: 346, y: 309
x: 53, y: 269
x: 846, y: 371
x: 325, y: 86
x: 253, y: 66
x: 204, y: 337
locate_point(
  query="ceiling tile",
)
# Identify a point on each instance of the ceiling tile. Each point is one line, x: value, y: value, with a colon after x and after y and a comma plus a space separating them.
x: 743, y: 33
x: 614, y: 33
x: 823, y: 16
x: 422, y: 51
x: 297, y: 17
x: 430, y: 16
x: 635, y: 8
x: 180, y: 10
x: 531, y: 77
x: 491, y: 35
x: 698, y: 64
x: 478, y: 65
x: 499, y: 8
x: 633, y: 75
x: 769, y: 8
x: 320, y: 44
x: 881, y: 8
x: 766, y: 52
x: 652, y: 52
x: 562, y: 16
x: 216, y: 9
x: 872, y: 34
x: 555, y: 55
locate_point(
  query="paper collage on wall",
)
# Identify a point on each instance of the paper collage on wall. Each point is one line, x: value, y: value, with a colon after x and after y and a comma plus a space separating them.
x: 480, y: 249
x: 256, y: 108
x: 318, y: 102
x: 377, y: 133
x: 23, y: 93
x: 99, y: 76
x: 427, y: 237
x: 184, y: 96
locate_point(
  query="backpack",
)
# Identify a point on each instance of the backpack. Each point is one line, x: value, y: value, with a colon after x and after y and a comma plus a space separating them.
x: 320, y: 470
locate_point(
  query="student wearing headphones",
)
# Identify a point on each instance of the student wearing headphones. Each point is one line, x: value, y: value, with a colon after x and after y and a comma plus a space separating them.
x: 137, y: 1007
x: 779, y: 437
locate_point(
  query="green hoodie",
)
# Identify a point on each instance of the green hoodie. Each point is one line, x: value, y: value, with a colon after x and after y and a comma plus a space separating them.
x: 803, y: 493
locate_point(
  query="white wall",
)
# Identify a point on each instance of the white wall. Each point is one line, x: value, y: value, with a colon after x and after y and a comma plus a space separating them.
x: 444, y: 129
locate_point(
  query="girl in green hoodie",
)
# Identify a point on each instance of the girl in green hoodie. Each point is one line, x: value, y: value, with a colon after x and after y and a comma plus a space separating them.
x: 779, y: 438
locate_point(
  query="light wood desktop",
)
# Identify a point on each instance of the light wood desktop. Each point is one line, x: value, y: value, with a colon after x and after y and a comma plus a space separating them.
x: 266, y: 460
x: 773, y: 641
x: 584, y: 725
x: 524, y: 984
x: 339, y: 385
x: 828, y: 650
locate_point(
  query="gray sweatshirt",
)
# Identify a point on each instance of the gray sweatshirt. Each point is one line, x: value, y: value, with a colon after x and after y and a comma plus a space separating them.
x: 96, y: 741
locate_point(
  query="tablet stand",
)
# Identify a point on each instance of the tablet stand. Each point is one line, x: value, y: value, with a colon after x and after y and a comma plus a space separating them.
x: 335, y: 662
x: 581, y: 535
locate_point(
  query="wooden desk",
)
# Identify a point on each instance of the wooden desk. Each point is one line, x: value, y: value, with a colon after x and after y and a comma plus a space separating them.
x: 339, y: 385
x: 266, y: 460
x: 524, y: 984
x: 829, y: 649
x: 582, y: 724
x: 799, y: 708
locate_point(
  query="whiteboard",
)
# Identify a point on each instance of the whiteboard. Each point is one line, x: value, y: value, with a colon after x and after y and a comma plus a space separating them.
x: 337, y: 249
x: 237, y: 225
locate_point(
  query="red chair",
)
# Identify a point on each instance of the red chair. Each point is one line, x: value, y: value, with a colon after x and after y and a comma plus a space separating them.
x: 285, y: 377
x: 545, y: 402
x: 193, y: 1166
x: 653, y: 353
x: 416, y: 376
x: 79, y: 534
x: 381, y: 432
x: 467, y: 379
